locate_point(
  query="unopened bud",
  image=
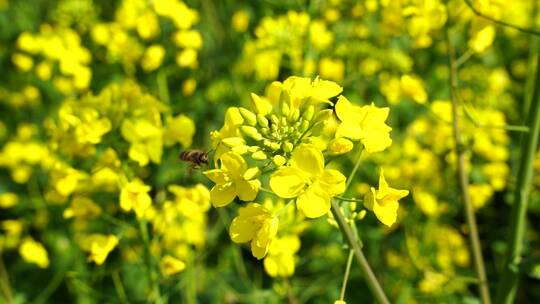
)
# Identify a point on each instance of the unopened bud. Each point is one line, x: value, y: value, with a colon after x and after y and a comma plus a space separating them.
x: 308, y: 113
x: 287, y: 147
x: 324, y: 115
x: 294, y: 116
x: 285, y: 109
x: 233, y: 141
x: 262, y: 121
x: 279, y: 160
x: 274, y: 146
x: 340, y: 146
x: 249, y: 117
x: 259, y: 155
x: 251, y: 132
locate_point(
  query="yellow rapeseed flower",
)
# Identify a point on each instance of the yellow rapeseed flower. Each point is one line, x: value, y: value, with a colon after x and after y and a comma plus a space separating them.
x: 33, y: 252
x: 308, y: 181
x: 256, y: 224
x: 233, y: 179
x: 384, y: 201
x: 366, y: 124
x: 134, y: 196
x: 170, y: 265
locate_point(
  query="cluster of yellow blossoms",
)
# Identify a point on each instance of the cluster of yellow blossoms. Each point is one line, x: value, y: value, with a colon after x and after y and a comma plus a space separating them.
x: 95, y: 161
x: 283, y: 141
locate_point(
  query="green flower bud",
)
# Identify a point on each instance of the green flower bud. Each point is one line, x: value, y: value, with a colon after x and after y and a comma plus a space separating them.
x: 308, y: 113
x: 294, y: 116
x: 251, y: 132
x: 324, y: 115
x: 259, y: 155
x: 285, y: 109
x: 279, y: 160
x: 274, y: 119
x: 249, y: 117
x: 264, y: 131
x: 242, y: 149
x: 339, y: 146
x: 253, y: 149
x: 233, y: 141
x: 284, y: 121
x: 262, y: 121
x: 287, y: 147
x: 274, y: 146
x: 303, y: 126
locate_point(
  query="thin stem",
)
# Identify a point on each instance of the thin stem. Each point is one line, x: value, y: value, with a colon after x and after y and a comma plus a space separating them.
x: 371, y: 279
x: 500, y: 22
x: 156, y: 295
x: 119, y: 287
x: 4, y: 283
x: 346, y: 199
x: 353, y: 172
x: 346, y: 275
x: 508, y: 284
x: 463, y: 58
x: 464, y: 180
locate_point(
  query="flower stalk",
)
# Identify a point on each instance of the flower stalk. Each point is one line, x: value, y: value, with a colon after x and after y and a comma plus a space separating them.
x: 529, y: 142
x: 371, y: 279
x: 463, y: 179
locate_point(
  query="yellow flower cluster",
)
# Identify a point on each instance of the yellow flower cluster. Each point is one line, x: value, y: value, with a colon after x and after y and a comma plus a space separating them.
x: 61, y: 50
x: 93, y: 159
x: 133, y: 35
x: 285, y: 136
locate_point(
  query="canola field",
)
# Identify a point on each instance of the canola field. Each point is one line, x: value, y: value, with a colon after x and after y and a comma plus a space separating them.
x: 269, y: 151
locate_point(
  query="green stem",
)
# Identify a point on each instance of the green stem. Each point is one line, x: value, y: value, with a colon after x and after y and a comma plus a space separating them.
x: 353, y: 172
x: 508, y: 284
x: 464, y: 180
x: 5, y: 286
x: 152, y: 275
x: 346, y: 199
x: 119, y: 287
x: 346, y: 275
x: 500, y: 22
x: 371, y: 279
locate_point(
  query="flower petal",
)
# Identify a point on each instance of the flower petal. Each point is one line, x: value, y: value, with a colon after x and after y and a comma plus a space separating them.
x: 287, y: 182
x: 222, y: 195
x: 233, y: 163
x: 333, y: 182
x: 217, y: 176
x: 315, y: 202
x: 247, y: 190
x: 309, y: 159
x: 387, y: 214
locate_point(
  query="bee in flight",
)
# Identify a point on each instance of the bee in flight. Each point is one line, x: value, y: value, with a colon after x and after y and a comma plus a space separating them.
x: 195, y: 157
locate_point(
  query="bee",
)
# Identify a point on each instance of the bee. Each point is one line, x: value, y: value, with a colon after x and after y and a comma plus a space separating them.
x: 195, y: 157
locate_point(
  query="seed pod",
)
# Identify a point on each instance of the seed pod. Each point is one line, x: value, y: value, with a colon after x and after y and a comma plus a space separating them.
x: 249, y: 117
x: 251, y: 132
